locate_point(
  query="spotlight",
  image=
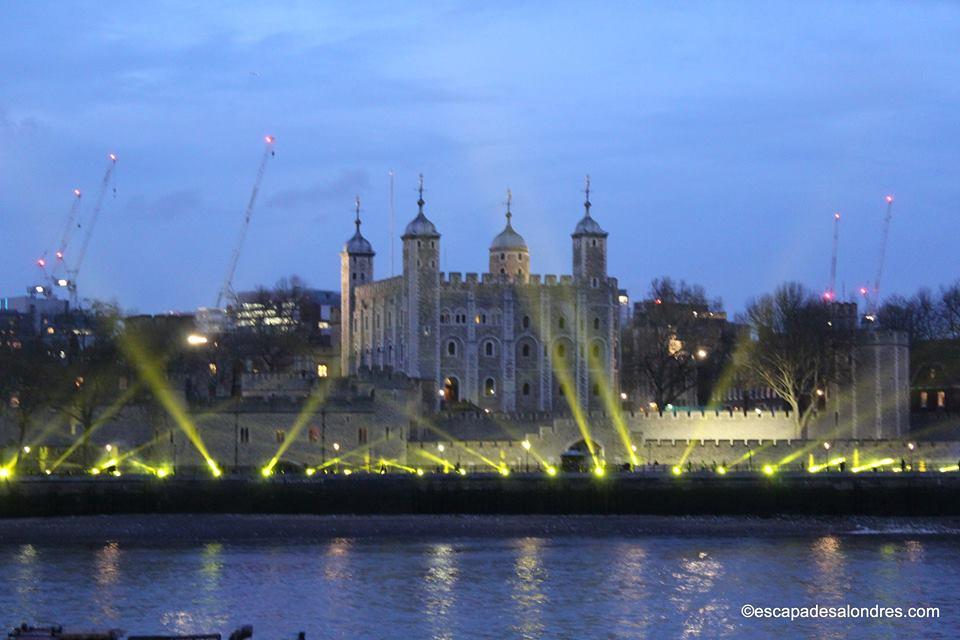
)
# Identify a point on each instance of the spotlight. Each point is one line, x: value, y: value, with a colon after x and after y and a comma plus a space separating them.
x: 525, y: 444
x: 347, y: 472
x: 336, y: 446
x: 310, y: 472
x: 266, y: 472
x: 676, y: 470
x: 419, y: 472
x: 440, y: 447
x: 462, y: 471
x: 504, y: 471
x: 95, y: 471
x: 768, y: 470
x: 26, y: 449
x: 108, y: 448
x: 598, y: 471
x: 722, y: 471
x: 162, y: 473
x: 4, y: 473
x: 826, y: 445
x: 551, y: 471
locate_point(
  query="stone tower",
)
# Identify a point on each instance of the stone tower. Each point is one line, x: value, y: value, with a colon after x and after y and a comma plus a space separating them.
x: 356, y: 268
x: 421, y: 297
x: 509, y: 255
x: 589, y: 248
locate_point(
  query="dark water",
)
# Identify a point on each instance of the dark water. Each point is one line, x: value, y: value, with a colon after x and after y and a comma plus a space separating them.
x: 667, y: 581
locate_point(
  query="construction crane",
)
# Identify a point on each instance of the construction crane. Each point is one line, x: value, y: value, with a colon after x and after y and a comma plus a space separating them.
x: 226, y: 291
x: 72, y: 272
x: 51, y: 276
x: 874, y: 299
x: 831, y: 293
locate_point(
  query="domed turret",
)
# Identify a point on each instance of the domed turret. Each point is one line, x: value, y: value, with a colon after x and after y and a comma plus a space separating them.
x: 589, y: 247
x: 509, y: 255
x: 356, y: 269
x: 420, y: 227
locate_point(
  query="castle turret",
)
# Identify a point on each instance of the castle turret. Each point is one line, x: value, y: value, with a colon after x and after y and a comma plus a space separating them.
x: 356, y: 268
x: 509, y: 255
x: 421, y: 272
x: 589, y: 247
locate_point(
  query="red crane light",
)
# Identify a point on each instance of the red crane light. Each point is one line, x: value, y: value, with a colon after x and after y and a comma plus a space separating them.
x: 889, y: 199
x: 41, y: 262
x: 76, y: 192
x: 269, y: 139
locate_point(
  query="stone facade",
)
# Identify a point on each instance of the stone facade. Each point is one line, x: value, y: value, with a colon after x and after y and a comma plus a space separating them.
x: 504, y: 340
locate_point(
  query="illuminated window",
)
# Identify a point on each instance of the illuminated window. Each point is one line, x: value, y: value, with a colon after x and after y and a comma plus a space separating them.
x: 923, y: 399
x: 941, y: 399
x: 314, y: 434
x: 322, y: 371
x: 213, y: 368
x: 489, y: 387
x: 561, y: 350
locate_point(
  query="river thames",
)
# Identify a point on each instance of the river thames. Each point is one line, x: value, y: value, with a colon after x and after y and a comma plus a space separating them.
x: 470, y: 577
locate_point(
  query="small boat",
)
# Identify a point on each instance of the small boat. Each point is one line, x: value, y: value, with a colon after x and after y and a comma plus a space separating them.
x: 56, y: 632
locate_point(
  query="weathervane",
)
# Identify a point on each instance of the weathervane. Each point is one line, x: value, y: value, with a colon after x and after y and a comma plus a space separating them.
x: 586, y: 190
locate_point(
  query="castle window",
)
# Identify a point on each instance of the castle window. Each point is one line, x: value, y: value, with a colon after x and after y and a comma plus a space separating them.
x: 594, y: 283
x: 503, y: 257
x: 354, y: 276
x: 452, y: 348
x: 562, y: 322
x: 595, y: 389
x: 503, y: 271
x: 488, y: 348
x: 593, y: 242
x: 923, y: 399
x: 433, y: 244
x: 526, y: 388
x: 363, y: 276
x: 595, y: 350
x: 244, y: 435
x: 596, y: 324
x: 526, y: 322
x: 280, y: 435
x: 525, y: 350
x: 362, y: 435
x: 941, y: 399
x: 419, y: 244
x: 519, y: 272
x: 520, y: 257
x: 489, y: 387
x: 322, y: 371
x: 561, y: 350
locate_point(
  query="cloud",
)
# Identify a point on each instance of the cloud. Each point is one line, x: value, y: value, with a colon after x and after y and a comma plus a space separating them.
x: 341, y: 189
x: 172, y: 204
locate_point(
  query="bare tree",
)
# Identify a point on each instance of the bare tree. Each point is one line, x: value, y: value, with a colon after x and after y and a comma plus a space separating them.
x: 950, y: 309
x: 921, y: 316
x: 674, y: 339
x: 794, y: 348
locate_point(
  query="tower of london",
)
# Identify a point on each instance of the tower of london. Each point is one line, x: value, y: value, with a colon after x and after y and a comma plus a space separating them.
x: 506, y: 340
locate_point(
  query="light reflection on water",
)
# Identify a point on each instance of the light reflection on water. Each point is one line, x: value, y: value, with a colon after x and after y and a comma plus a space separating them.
x: 535, y: 587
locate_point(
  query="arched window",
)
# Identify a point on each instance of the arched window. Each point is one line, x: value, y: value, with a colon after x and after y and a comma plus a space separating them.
x: 489, y: 387
x: 452, y: 348
x: 526, y: 322
x: 596, y: 324
x: 488, y: 348
x: 595, y: 389
x: 562, y: 322
x: 595, y: 350
x: 525, y: 350
x: 526, y: 388
x: 503, y: 271
x: 561, y: 350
